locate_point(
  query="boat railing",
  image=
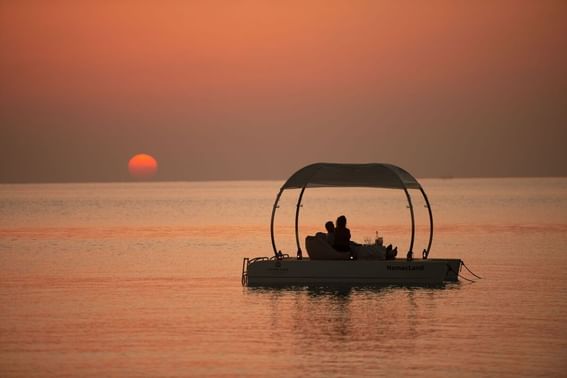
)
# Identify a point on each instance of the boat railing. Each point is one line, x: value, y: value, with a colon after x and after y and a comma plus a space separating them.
x: 247, y: 261
x: 244, y: 278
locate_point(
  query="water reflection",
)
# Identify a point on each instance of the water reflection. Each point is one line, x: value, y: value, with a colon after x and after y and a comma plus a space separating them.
x: 349, y: 319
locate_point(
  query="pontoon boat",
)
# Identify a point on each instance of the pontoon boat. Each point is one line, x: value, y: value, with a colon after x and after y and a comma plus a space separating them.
x: 327, y: 266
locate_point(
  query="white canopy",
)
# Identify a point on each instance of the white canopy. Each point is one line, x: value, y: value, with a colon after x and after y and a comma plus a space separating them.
x: 372, y: 175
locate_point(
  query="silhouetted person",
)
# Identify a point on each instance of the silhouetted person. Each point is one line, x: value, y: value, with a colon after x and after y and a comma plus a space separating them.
x: 342, y: 235
x: 330, y: 227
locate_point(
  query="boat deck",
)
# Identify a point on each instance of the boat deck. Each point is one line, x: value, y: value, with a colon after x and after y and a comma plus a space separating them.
x: 290, y: 271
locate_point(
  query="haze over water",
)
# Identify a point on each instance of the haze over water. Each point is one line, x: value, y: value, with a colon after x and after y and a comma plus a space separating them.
x: 144, y: 280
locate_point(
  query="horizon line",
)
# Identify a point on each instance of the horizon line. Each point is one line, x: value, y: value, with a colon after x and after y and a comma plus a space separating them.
x: 251, y: 179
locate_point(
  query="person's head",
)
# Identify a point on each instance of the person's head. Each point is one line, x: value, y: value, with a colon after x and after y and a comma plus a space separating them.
x: 341, y: 221
x: 330, y: 227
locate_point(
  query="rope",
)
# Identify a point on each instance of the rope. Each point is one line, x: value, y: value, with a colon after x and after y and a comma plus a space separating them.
x: 459, y: 275
x: 463, y: 263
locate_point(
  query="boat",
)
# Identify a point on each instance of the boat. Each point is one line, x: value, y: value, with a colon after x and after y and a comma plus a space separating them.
x: 323, y: 265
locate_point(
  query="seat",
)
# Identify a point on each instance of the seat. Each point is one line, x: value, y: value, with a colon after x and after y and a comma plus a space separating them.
x: 318, y: 249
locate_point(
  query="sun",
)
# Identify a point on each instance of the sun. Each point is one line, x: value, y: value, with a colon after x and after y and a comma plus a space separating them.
x: 142, y: 166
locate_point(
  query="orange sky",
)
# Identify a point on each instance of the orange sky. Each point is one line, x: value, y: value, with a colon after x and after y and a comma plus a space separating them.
x: 257, y: 89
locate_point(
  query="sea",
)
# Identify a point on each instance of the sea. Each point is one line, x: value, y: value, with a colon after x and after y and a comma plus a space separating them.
x: 144, y: 280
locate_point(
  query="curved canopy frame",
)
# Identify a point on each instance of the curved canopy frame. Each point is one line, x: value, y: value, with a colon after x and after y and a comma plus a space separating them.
x: 372, y: 175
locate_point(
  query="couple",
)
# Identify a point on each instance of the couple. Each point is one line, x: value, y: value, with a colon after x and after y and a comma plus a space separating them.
x: 339, y: 236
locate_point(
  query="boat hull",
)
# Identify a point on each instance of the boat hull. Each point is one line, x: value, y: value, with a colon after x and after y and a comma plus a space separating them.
x: 357, y: 272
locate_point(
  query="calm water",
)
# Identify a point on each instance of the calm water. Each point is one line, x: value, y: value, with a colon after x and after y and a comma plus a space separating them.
x: 144, y: 280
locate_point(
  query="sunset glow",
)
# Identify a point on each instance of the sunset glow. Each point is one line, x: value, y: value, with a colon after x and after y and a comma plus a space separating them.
x: 142, y: 166
x: 419, y: 85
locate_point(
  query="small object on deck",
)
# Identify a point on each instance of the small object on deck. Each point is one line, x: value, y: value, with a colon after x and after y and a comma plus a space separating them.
x: 379, y: 239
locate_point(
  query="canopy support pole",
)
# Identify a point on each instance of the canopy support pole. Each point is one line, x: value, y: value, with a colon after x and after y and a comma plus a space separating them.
x: 272, y: 222
x: 426, y: 253
x: 410, y: 251
x: 297, y: 221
